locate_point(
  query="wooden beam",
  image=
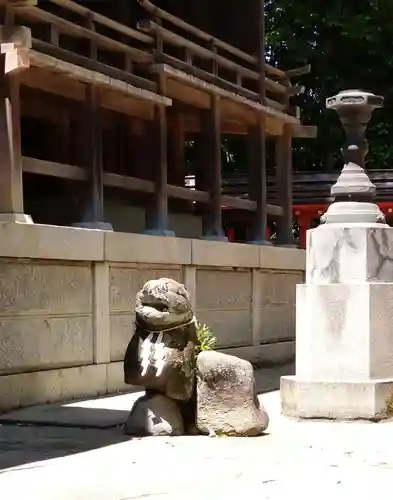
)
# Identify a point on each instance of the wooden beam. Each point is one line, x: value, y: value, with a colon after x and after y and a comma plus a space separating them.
x: 103, y: 20
x: 303, y: 70
x: 19, y: 3
x: 198, y: 83
x: 128, y: 183
x: 204, y: 53
x: 91, y: 64
x: 58, y: 77
x: 304, y: 131
x: 54, y: 169
x: 37, y: 15
x: 83, y: 75
x: 235, y: 127
x: 217, y: 81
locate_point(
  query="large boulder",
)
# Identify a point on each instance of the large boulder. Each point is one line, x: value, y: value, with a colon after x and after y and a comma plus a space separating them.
x: 161, y: 353
x: 155, y: 415
x: 226, y: 397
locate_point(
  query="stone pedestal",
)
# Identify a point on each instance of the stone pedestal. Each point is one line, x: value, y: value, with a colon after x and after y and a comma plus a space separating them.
x: 344, y: 327
x: 18, y: 218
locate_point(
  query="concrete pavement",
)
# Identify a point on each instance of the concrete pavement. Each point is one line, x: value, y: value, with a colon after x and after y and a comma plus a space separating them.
x: 308, y: 460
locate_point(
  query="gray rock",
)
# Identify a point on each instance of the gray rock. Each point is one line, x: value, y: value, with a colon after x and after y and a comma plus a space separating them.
x: 161, y: 353
x: 227, y: 402
x: 155, y: 415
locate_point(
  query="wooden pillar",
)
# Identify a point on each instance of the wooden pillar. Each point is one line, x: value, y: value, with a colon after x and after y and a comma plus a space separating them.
x: 211, y: 147
x: 283, y: 155
x: 157, y: 214
x: 257, y: 142
x: 94, y: 212
x: 176, y: 148
x: 11, y: 177
x: 258, y: 183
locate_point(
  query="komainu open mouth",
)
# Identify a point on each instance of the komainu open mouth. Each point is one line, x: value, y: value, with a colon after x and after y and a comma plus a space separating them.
x: 163, y: 303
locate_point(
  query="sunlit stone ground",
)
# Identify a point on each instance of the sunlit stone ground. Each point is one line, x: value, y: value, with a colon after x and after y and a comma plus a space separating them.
x: 76, y: 454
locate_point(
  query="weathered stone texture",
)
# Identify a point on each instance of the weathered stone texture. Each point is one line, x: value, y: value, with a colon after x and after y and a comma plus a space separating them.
x: 44, y: 288
x: 42, y: 343
x: 277, y: 294
x: 226, y: 397
x: 224, y: 303
x: 45, y: 316
x: 155, y: 415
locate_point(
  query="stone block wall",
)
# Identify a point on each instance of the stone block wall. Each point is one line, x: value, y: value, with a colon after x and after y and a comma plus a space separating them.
x: 67, y: 300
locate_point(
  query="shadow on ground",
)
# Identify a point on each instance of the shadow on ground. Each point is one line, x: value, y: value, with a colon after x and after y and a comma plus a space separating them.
x: 26, y: 443
x: 57, y: 430
x: 45, y: 432
x: 268, y: 379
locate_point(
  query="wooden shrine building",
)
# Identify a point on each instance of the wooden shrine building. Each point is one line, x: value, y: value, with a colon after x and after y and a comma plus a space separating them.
x: 311, y: 198
x: 101, y: 98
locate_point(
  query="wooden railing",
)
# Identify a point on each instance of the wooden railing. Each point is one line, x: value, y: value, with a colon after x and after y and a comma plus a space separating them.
x: 220, y: 57
x: 61, y: 27
x: 61, y: 38
x: 129, y: 183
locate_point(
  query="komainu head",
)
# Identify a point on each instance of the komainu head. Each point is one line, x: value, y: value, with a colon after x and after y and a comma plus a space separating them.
x: 163, y: 303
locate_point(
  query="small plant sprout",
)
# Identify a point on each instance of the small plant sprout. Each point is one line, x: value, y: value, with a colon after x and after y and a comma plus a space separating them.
x: 205, y: 339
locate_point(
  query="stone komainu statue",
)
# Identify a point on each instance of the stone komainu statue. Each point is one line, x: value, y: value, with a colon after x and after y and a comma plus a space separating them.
x: 161, y: 354
x: 212, y: 393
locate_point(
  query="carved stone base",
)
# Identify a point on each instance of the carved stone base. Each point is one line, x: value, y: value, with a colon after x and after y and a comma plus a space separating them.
x: 340, y: 400
x: 16, y: 218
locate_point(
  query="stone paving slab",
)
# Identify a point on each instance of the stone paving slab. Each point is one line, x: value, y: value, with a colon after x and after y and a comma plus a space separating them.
x: 308, y: 460
x: 111, y: 411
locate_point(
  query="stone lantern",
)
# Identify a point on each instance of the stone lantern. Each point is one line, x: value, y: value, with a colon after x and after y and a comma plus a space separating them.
x: 344, y: 333
x: 353, y: 191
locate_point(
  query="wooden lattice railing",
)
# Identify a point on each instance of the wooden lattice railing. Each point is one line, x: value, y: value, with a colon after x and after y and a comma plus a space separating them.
x: 81, y: 40
x: 215, y: 61
x: 74, y: 33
